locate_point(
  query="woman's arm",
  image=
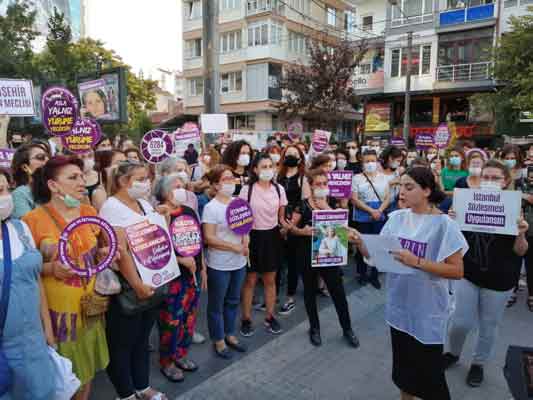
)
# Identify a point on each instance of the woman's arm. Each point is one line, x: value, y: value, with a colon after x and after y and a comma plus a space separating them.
x: 214, y: 242
x: 451, y: 268
x: 45, y: 316
x: 99, y: 197
x: 361, y: 204
x: 520, y: 244
x: 386, y: 201
x: 305, y: 231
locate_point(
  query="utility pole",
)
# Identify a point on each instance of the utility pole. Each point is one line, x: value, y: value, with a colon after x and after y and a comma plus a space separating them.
x: 210, y: 55
x: 407, y: 107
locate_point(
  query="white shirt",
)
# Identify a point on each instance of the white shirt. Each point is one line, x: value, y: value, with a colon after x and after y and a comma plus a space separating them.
x: 222, y: 260
x: 17, y: 247
x: 364, y: 191
x: 419, y: 304
x: 118, y: 214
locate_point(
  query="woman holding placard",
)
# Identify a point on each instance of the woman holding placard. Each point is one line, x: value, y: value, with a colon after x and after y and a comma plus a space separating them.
x: 128, y: 334
x: 226, y: 261
x: 492, y: 268
x: 177, y: 317
x: 79, y: 331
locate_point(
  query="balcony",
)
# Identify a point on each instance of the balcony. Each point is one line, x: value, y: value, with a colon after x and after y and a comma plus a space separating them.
x: 411, y: 20
x: 466, y: 15
x: 255, y: 7
x: 464, y: 72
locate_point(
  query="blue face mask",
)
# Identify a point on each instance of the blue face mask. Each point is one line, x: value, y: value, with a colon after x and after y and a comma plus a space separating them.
x: 71, y: 202
x: 455, y: 161
x: 510, y: 163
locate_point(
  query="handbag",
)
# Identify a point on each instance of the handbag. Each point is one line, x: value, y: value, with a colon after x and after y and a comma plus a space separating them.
x: 66, y: 382
x: 107, y: 283
x: 363, y: 216
x: 6, y: 375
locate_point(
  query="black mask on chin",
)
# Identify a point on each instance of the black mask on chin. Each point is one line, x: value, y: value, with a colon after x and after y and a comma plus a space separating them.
x: 291, y: 161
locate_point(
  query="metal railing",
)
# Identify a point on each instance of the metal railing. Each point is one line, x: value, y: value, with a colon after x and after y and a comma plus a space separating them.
x: 464, y: 72
x: 412, y: 20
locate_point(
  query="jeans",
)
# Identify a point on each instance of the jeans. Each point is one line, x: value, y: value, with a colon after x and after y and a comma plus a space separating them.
x: 224, y: 297
x: 129, y: 357
x: 476, y: 307
x: 371, y: 228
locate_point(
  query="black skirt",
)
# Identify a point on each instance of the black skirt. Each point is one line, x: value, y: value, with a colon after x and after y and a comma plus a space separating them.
x: 418, y: 368
x: 265, y: 250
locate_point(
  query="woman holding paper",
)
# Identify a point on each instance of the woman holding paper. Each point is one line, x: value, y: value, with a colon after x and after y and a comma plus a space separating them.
x: 128, y: 335
x: 492, y: 269
x: 417, y: 306
x: 302, y: 227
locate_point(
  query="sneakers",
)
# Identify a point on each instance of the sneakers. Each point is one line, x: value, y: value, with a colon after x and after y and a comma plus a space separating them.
x: 260, y: 307
x: 287, y: 308
x: 198, y: 338
x: 449, y: 360
x: 272, y: 325
x: 475, y: 375
x: 247, y: 329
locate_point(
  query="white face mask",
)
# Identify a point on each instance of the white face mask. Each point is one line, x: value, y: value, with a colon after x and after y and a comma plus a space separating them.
x: 352, y: 152
x: 139, y: 190
x: 433, y: 166
x: 6, y: 206
x: 183, y: 176
x: 394, y: 165
x: 342, y: 164
x: 475, y: 171
x: 228, y: 189
x: 180, y: 195
x: 321, y: 193
x: 490, y: 185
x: 332, y: 165
x: 207, y: 159
x: 88, y: 164
x: 266, y: 175
x: 275, y: 157
x: 244, y: 160
x: 371, y: 167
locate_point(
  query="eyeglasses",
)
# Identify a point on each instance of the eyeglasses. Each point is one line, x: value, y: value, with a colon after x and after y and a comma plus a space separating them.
x: 40, y: 157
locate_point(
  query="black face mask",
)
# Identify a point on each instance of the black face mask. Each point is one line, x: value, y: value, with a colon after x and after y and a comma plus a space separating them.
x: 291, y: 161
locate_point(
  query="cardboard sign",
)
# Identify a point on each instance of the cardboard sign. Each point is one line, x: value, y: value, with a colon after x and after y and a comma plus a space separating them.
x: 330, y: 238
x: 320, y: 140
x: 60, y: 110
x: 83, y: 137
x: 156, y: 146
x: 295, y: 131
x: 186, y: 236
x: 214, y: 123
x: 239, y: 217
x: 398, y: 142
x: 16, y: 98
x: 152, y: 250
x: 188, y: 134
x: 6, y: 157
x: 424, y: 141
x: 442, y: 136
x: 487, y: 211
x: 340, y: 184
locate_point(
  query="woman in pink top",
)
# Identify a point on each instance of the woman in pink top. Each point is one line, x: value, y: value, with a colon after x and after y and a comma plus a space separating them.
x: 268, y: 201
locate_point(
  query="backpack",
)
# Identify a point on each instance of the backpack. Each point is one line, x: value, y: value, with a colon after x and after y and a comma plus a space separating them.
x: 251, y: 187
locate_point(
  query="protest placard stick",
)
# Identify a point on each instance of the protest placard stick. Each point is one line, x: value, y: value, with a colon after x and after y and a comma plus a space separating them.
x: 4, y: 123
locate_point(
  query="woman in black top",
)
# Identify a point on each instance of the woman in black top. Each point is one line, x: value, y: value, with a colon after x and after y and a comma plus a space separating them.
x: 291, y: 176
x: 238, y: 156
x: 301, y: 226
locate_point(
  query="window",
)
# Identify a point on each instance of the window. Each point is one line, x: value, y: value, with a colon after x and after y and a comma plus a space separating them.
x: 258, y: 6
x: 417, y: 12
x: 349, y: 21
x: 365, y: 69
x: 368, y: 22
x: 230, y: 41
x: 331, y: 16
x: 196, y: 87
x: 467, y: 47
x: 300, y: 5
x: 453, y: 4
x: 193, y: 9
x: 275, y: 34
x: 230, y: 4
x: 193, y: 48
x: 241, y: 122
x: 420, y: 61
x: 395, y: 63
x: 274, y: 77
x: 231, y: 82
x: 258, y: 35
x: 297, y: 43
x: 426, y: 59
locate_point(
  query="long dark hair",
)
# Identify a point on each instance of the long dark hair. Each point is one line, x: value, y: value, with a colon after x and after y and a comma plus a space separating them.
x: 231, y: 154
x: 50, y: 170
x: 22, y: 158
x: 255, y: 162
x: 425, y: 178
x: 283, y: 168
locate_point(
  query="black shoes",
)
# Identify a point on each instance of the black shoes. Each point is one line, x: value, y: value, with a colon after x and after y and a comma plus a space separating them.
x: 272, y: 325
x: 314, y: 337
x: 475, y: 376
x: 247, y: 329
x: 225, y: 353
x: 374, y: 281
x: 449, y: 360
x: 351, y: 338
x: 238, y: 346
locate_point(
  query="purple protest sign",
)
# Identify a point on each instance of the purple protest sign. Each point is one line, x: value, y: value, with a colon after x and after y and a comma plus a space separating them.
x: 186, y: 236
x: 442, y: 136
x: 84, y: 136
x: 156, y: 146
x: 295, y: 131
x: 397, y: 141
x: 88, y: 259
x: 340, y: 184
x: 320, y: 140
x: 6, y: 157
x: 239, y: 217
x: 423, y: 141
x: 149, y: 244
x: 59, y: 110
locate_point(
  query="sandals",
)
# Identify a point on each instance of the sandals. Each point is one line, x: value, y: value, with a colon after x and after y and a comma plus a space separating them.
x: 529, y: 303
x: 173, y: 373
x: 186, y: 365
x: 155, y: 395
x: 512, y: 301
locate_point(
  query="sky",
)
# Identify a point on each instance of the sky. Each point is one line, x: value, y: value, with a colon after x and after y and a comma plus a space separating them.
x: 146, y: 34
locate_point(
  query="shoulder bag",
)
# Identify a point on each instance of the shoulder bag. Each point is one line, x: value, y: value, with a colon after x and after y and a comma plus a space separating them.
x: 6, y: 375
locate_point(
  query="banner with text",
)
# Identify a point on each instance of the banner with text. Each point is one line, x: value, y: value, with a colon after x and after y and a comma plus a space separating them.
x: 16, y: 98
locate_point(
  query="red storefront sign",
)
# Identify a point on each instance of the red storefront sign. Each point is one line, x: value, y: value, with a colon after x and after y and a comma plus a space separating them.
x: 463, y: 131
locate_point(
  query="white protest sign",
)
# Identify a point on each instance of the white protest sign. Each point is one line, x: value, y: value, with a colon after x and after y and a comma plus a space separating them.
x: 214, y: 123
x: 487, y: 211
x: 379, y: 249
x: 16, y: 98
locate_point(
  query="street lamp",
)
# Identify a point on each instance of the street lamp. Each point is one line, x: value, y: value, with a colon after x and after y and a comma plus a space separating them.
x: 407, y: 106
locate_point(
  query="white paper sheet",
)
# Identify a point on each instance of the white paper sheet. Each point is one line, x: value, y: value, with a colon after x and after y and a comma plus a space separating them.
x: 379, y: 248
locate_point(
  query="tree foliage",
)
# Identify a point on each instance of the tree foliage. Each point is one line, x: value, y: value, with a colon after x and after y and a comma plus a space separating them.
x: 321, y: 91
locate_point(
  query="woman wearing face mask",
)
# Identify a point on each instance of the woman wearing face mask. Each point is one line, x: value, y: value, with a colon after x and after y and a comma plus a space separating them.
x: 268, y: 201
x: 301, y: 226
x: 59, y: 186
x: 342, y: 159
x: 128, y: 335
x: 275, y: 156
x: 370, y: 199
x: 26, y: 160
x: 24, y: 340
x: 418, y: 304
x: 105, y: 164
x: 431, y: 153
x: 226, y: 261
x: 491, y: 270
x: 177, y: 318
x: 326, y: 162
x: 291, y: 177
x: 529, y: 156
x: 474, y: 160
x: 411, y: 156
x: 353, y: 160
x: 454, y: 170
x: 133, y: 154
x: 238, y: 156
x: 511, y: 157
x: 392, y: 158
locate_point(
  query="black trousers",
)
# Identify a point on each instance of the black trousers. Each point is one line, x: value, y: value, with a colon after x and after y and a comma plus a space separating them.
x: 294, y: 264
x: 129, y: 357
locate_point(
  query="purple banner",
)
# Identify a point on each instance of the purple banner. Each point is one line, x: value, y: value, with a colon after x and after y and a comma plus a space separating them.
x: 340, y: 184
x: 239, y: 217
x: 59, y: 110
x: 398, y: 142
x: 484, y: 219
x: 149, y: 244
x: 442, y: 136
x: 423, y: 141
x: 186, y: 236
x: 6, y: 157
x: 156, y: 146
x: 83, y: 137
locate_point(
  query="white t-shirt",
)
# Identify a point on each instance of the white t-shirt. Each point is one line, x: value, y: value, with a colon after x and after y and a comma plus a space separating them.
x: 222, y: 260
x: 419, y: 304
x: 17, y: 247
x: 118, y: 214
x: 364, y: 191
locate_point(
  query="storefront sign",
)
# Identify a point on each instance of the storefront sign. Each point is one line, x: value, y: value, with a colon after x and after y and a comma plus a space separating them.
x: 487, y: 211
x: 377, y: 117
x: 186, y: 236
x: 60, y: 110
x: 16, y: 98
x: 423, y: 141
x: 239, y: 217
x: 156, y: 146
x: 340, y: 184
x: 83, y: 137
x: 330, y: 238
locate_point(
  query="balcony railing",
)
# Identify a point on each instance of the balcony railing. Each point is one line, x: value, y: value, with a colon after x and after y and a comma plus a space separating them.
x: 464, y: 72
x: 413, y: 20
x: 468, y: 14
x: 260, y: 6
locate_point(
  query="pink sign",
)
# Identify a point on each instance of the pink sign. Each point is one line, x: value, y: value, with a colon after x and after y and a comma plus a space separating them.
x: 186, y: 236
x: 320, y: 140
